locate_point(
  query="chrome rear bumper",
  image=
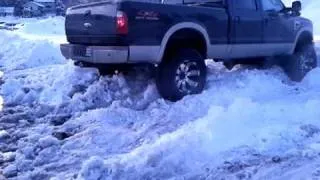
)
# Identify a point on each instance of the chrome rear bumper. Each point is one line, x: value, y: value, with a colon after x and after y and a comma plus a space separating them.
x: 95, y: 54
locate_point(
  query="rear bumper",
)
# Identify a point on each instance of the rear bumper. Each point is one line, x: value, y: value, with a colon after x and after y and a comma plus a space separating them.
x: 96, y: 54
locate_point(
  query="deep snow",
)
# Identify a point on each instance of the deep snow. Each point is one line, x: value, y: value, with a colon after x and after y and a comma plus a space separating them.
x: 63, y: 122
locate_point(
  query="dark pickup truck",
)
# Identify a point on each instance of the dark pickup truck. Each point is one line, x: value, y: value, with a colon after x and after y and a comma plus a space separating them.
x: 177, y: 37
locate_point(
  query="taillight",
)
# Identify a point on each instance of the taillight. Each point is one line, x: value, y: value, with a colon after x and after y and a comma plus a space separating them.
x: 122, y: 23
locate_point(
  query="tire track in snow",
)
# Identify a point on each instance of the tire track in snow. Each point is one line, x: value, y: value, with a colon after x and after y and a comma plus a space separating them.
x: 14, y: 124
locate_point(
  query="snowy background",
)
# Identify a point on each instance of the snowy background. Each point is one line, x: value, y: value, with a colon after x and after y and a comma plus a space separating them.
x: 63, y: 122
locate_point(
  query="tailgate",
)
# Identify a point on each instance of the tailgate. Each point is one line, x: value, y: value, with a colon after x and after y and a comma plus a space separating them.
x: 93, y: 23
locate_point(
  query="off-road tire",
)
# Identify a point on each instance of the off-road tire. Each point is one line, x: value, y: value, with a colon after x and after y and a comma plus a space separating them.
x: 301, y: 62
x: 180, y: 74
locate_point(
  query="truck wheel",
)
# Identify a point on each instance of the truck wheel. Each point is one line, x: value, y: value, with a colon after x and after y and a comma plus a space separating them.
x: 301, y: 62
x: 182, y: 74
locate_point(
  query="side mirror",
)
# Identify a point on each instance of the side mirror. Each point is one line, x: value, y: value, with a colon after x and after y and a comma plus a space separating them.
x: 296, y: 6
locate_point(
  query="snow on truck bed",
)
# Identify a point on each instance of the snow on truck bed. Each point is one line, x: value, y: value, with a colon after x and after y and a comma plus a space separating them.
x: 63, y: 122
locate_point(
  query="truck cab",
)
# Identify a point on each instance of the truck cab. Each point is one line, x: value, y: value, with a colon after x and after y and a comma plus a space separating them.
x: 264, y: 28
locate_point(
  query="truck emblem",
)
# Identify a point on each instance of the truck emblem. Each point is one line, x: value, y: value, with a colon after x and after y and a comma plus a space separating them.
x: 147, y: 15
x: 87, y: 25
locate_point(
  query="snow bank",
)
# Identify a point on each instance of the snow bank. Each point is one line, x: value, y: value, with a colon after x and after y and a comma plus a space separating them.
x: 19, y: 53
x: 76, y: 89
x: 50, y: 26
x: 254, y: 110
x: 201, y: 146
x: 253, y: 119
x: 50, y: 85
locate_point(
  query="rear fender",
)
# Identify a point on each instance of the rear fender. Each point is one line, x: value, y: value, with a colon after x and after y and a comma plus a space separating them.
x: 177, y: 27
x: 298, y: 35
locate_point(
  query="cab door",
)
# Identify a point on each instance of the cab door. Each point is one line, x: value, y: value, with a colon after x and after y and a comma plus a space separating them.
x: 278, y: 26
x: 246, y: 28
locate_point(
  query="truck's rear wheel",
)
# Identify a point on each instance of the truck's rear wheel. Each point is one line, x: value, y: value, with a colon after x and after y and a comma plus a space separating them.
x: 301, y: 62
x: 181, y: 74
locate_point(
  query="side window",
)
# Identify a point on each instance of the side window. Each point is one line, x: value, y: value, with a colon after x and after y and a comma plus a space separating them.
x: 246, y: 4
x: 269, y: 5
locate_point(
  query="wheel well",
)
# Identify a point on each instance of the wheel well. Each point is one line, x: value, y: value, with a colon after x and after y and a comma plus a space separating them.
x: 304, y: 38
x: 186, y: 38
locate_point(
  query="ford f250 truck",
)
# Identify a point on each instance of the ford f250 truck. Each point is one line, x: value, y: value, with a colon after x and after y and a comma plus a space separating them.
x: 178, y: 35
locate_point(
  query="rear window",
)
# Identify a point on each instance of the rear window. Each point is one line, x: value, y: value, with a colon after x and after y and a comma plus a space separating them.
x: 272, y: 5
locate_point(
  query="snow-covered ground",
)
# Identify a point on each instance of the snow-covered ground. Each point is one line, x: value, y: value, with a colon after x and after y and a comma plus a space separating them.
x: 48, y: 29
x: 63, y: 122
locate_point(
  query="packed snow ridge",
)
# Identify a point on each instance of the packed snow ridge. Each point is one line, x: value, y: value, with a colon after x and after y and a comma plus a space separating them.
x: 64, y: 122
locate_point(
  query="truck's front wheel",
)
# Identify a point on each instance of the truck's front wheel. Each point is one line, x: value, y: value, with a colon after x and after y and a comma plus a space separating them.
x: 181, y: 74
x: 301, y: 62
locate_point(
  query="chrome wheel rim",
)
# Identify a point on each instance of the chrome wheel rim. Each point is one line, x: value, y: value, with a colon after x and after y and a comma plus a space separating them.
x: 187, y: 77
